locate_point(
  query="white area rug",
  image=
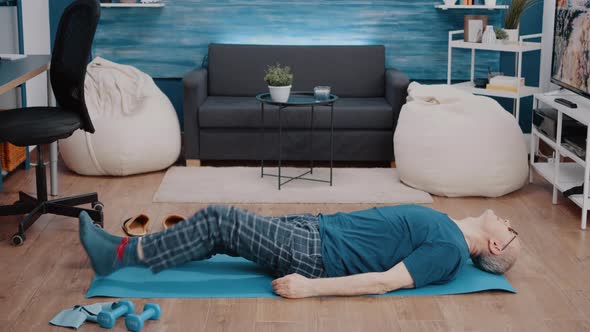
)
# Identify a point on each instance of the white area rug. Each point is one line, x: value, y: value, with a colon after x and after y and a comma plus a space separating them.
x: 244, y: 185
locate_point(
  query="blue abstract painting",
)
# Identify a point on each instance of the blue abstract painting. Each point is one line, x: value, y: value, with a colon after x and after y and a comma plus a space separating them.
x: 167, y: 42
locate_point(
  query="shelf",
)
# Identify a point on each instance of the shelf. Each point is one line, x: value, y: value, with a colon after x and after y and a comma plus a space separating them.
x: 445, y: 7
x: 580, y: 114
x: 570, y: 174
x: 562, y: 150
x: 525, y: 91
x: 501, y: 46
x: 578, y: 199
x: 132, y: 5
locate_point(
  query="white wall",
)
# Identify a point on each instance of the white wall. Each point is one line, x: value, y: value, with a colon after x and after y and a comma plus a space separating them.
x: 546, y: 53
x: 8, y: 44
x: 36, y: 41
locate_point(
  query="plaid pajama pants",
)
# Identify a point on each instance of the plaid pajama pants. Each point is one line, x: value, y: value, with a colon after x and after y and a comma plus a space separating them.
x: 285, y: 244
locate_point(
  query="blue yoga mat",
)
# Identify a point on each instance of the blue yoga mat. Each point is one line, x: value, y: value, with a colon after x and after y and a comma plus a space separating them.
x: 232, y: 277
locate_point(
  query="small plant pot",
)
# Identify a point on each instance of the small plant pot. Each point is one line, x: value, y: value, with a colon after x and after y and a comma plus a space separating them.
x: 279, y: 94
x: 512, y: 35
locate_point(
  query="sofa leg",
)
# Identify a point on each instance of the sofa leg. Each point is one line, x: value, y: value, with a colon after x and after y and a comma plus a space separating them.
x: 392, y: 164
x: 193, y: 163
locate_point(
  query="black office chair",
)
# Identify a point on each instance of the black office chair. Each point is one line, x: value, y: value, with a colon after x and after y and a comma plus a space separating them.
x: 44, y: 125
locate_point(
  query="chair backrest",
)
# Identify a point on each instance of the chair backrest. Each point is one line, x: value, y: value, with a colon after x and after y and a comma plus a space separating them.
x: 71, y: 51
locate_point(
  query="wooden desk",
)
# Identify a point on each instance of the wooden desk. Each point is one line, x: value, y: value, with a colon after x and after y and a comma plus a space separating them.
x: 17, y: 72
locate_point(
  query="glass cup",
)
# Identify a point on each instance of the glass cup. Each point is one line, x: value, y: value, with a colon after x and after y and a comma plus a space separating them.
x: 321, y: 93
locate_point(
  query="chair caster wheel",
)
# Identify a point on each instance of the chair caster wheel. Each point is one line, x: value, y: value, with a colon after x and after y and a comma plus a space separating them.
x: 18, y: 239
x: 98, y: 206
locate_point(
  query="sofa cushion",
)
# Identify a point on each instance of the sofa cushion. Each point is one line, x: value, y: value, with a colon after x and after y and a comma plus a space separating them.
x: 351, y: 71
x: 244, y: 112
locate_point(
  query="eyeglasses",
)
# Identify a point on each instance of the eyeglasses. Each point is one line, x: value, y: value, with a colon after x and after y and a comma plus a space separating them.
x: 514, y: 237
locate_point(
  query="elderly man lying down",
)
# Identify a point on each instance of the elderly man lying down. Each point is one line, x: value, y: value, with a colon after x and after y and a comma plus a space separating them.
x: 372, y: 251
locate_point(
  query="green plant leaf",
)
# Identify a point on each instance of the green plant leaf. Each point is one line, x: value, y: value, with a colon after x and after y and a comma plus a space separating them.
x: 515, y: 11
x: 500, y: 34
x: 277, y: 75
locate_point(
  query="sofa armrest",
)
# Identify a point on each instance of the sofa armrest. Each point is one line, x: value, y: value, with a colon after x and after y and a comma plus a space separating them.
x: 195, y: 92
x: 396, y: 92
x: 396, y: 89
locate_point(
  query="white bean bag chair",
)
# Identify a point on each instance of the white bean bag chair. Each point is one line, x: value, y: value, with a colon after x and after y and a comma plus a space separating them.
x: 451, y: 143
x: 137, y: 129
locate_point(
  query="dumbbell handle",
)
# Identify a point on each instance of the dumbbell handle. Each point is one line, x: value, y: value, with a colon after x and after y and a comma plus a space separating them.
x: 146, y: 314
x: 119, y: 311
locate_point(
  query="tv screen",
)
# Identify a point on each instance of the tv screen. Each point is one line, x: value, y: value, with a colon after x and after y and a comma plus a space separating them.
x: 571, y: 46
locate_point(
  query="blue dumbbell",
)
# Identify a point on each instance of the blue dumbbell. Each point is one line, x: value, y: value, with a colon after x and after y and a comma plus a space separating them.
x: 150, y: 311
x: 107, y: 319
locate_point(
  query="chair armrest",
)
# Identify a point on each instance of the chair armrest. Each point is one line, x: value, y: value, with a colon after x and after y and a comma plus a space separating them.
x: 195, y: 92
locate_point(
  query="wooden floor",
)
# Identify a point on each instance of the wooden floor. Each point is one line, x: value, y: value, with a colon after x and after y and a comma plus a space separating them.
x: 50, y: 272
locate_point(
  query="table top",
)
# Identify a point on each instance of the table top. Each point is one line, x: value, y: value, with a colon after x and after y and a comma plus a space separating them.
x: 15, y: 72
x: 297, y: 98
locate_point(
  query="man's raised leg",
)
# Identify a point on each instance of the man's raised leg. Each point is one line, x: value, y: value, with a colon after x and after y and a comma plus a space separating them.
x: 285, y: 244
x: 270, y: 242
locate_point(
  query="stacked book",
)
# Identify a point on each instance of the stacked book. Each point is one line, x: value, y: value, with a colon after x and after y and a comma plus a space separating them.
x: 505, y: 83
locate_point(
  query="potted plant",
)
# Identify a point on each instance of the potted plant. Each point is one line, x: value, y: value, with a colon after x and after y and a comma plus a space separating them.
x: 500, y: 34
x: 513, y: 15
x: 279, y: 79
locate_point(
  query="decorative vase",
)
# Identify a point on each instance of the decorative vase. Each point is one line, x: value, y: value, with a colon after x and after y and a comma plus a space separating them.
x: 489, y: 36
x: 279, y: 94
x: 512, y: 35
x: 490, y: 3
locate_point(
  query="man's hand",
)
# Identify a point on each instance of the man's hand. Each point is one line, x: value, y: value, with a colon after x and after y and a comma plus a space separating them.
x: 293, y: 286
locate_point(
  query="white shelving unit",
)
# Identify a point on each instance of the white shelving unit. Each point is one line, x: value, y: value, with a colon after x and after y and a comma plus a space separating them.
x: 518, y: 48
x: 133, y: 5
x: 564, y: 176
x: 445, y: 7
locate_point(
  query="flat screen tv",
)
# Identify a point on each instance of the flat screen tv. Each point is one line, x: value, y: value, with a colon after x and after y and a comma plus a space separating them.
x: 571, y: 46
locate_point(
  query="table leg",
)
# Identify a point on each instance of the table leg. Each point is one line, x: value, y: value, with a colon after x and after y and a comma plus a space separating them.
x: 261, y: 147
x: 311, y: 143
x: 53, y: 147
x: 331, y: 141
x: 280, y: 146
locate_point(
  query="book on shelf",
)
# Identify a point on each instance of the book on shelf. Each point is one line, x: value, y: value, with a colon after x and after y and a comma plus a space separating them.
x: 501, y: 87
x: 506, y: 81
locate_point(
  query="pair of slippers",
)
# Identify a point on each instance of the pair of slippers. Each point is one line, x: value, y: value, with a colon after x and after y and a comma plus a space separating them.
x: 139, y: 225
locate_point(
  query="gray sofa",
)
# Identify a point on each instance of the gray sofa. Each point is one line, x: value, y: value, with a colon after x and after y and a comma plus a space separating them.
x: 222, y: 117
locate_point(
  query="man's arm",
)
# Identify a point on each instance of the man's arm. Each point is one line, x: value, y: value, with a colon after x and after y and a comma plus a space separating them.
x: 296, y: 286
